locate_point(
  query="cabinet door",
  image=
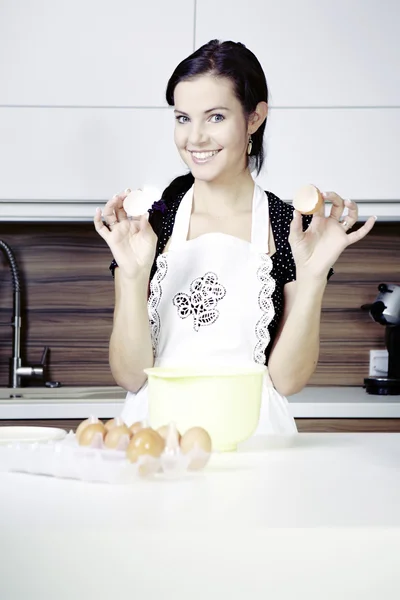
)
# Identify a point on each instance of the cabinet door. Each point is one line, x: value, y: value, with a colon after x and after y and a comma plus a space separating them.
x: 315, y: 52
x: 354, y: 152
x: 91, y: 53
x: 84, y: 154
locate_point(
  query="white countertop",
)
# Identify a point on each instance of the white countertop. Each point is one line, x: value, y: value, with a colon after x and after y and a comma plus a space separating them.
x: 343, y: 402
x: 106, y: 402
x: 311, y: 517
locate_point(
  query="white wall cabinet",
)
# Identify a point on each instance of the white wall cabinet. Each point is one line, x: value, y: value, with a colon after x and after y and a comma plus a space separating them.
x: 315, y: 52
x: 76, y: 154
x: 83, y: 113
x: 354, y: 152
x: 87, y: 156
x: 91, y: 52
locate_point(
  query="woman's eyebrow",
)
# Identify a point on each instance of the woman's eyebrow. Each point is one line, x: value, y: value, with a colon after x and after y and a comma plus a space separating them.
x: 205, y: 112
x: 216, y: 108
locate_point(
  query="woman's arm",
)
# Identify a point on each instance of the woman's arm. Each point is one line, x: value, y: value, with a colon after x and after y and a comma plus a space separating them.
x: 295, y: 351
x: 133, y: 245
x: 130, y: 349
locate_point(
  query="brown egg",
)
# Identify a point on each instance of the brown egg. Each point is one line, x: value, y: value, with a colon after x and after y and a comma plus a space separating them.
x: 197, y: 439
x: 90, y: 421
x: 135, y: 427
x: 114, y: 436
x: 146, y: 441
x: 164, y: 430
x: 113, y: 423
x: 88, y: 433
x: 308, y: 200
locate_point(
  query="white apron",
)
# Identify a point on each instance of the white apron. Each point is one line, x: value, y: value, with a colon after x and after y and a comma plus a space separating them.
x: 210, y: 303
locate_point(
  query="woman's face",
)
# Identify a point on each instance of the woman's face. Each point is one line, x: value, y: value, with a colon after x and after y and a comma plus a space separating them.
x: 210, y: 128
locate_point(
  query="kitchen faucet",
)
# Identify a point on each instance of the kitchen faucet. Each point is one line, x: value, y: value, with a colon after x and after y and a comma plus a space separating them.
x: 18, y: 372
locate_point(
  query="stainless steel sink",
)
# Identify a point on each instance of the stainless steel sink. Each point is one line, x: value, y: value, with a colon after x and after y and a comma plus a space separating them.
x: 63, y: 394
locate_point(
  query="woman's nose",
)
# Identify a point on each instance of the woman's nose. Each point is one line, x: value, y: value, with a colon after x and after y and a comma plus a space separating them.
x: 196, y: 135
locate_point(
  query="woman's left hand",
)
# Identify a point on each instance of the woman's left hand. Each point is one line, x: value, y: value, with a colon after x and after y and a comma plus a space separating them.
x: 317, y: 249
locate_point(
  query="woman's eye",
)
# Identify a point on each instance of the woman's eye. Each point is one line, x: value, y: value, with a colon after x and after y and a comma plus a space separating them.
x: 180, y: 119
x: 217, y: 118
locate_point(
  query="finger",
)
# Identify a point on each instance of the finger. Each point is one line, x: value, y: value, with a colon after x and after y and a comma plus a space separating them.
x: 296, y: 227
x: 320, y: 212
x: 108, y: 213
x: 119, y: 209
x: 99, y: 225
x: 337, y: 204
x: 144, y: 224
x: 146, y: 229
x: 352, y: 216
x: 115, y: 205
x: 358, y: 235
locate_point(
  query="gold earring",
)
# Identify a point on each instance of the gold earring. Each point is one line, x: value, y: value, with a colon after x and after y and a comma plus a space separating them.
x: 250, y: 145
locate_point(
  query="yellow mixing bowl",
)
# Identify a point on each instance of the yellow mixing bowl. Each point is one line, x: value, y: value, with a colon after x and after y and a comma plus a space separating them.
x: 225, y: 401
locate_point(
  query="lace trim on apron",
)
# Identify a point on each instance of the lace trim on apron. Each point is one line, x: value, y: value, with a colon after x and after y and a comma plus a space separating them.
x: 266, y: 305
x: 154, y: 300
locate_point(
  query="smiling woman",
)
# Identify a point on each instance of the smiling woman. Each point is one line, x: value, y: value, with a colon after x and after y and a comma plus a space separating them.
x: 214, y: 138
x: 236, y: 275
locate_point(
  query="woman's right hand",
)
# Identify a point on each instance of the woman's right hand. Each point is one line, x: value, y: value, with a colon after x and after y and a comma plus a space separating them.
x: 132, y: 241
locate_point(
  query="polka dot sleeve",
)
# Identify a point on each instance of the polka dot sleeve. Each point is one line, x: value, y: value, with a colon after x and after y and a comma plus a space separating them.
x: 281, y: 215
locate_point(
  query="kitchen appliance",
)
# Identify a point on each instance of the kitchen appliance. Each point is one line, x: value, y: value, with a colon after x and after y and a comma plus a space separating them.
x: 386, y: 311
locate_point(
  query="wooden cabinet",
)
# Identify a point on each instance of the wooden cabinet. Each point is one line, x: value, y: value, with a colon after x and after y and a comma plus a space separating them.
x: 303, y: 425
x: 347, y: 425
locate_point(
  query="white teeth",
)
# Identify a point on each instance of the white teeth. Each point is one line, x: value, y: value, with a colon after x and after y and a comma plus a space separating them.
x: 203, y: 155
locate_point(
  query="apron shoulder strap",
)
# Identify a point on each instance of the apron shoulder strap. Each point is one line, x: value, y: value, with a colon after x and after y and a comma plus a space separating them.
x: 182, y: 221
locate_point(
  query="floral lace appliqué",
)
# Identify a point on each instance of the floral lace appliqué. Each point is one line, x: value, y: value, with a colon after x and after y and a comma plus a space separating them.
x: 154, y: 300
x: 205, y: 293
x: 266, y: 306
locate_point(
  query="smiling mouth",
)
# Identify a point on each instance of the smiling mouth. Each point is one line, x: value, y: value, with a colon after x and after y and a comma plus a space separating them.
x: 202, y: 157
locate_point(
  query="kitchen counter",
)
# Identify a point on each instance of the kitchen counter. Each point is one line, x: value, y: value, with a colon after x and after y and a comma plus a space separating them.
x: 61, y: 403
x: 310, y: 516
x: 105, y: 402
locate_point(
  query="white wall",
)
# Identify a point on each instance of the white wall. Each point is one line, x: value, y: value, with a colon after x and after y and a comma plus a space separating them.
x: 82, y: 83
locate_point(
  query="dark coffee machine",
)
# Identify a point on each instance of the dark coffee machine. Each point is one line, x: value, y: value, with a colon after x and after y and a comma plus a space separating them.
x: 386, y: 311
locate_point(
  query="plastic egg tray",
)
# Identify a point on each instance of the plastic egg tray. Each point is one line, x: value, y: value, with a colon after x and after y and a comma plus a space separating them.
x: 66, y: 459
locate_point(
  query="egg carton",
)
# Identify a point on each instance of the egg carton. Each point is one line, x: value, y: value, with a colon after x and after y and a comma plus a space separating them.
x: 66, y: 459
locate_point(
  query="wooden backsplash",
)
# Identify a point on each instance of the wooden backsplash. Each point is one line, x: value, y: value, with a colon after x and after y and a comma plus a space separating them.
x: 69, y: 296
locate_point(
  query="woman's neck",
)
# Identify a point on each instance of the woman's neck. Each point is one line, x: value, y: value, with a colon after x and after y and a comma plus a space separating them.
x: 218, y: 199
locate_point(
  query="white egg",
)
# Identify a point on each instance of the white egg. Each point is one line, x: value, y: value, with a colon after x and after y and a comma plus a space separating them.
x: 137, y: 203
